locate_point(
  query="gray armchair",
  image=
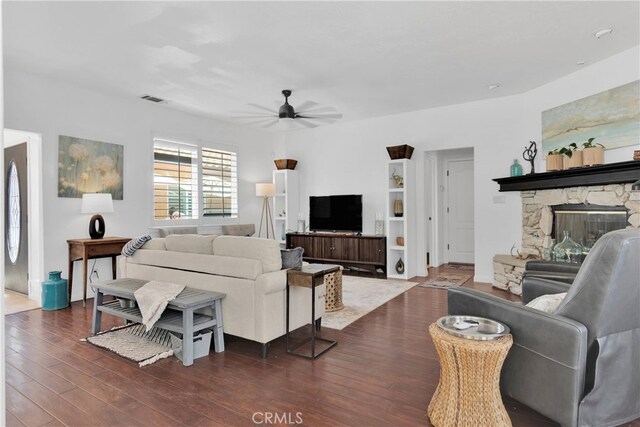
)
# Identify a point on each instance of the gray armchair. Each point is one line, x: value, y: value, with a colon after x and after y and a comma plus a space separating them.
x: 579, y: 366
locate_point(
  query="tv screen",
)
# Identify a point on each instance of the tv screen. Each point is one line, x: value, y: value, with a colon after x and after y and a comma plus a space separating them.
x: 335, y: 213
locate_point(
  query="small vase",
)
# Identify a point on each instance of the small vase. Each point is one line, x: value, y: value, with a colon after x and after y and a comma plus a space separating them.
x: 379, y: 227
x: 400, y: 240
x: 568, y: 250
x: 516, y: 168
x: 284, y: 233
x: 398, y: 210
x: 400, y: 266
x: 593, y: 156
x: 554, y: 162
x: 55, y: 292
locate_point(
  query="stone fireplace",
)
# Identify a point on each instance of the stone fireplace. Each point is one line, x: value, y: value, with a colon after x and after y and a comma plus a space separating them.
x: 538, y: 215
x: 609, y: 204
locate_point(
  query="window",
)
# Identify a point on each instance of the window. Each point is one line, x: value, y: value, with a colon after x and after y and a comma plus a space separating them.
x: 175, y: 180
x: 177, y: 190
x: 219, y: 183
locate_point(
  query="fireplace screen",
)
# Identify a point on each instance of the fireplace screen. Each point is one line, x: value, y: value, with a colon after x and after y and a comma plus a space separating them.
x: 587, y: 223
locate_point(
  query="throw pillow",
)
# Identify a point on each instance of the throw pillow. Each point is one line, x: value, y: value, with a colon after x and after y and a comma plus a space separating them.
x: 134, y: 244
x: 291, y: 258
x: 547, y: 303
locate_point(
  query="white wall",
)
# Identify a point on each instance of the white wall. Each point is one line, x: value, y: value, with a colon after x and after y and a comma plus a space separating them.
x: 350, y: 157
x: 53, y: 108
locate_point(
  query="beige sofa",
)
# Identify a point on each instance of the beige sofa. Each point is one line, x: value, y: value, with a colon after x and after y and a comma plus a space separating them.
x: 247, y: 269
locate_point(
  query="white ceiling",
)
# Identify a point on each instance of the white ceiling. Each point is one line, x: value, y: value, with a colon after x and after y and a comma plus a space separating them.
x: 366, y: 59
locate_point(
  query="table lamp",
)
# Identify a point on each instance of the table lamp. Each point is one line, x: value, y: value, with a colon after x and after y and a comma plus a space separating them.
x: 96, y: 203
x: 266, y: 190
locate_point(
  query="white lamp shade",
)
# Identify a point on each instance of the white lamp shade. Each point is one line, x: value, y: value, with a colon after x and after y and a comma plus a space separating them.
x: 94, y: 203
x: 265, y: 189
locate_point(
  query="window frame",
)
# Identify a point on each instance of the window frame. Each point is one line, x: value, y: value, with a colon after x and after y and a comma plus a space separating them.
x: 201, y: 219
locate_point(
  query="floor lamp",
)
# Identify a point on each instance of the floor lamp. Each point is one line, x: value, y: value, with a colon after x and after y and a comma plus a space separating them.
x: 265, y: 191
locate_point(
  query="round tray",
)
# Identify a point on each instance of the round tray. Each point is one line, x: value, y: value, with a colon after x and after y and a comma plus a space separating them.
x: 483, y: 329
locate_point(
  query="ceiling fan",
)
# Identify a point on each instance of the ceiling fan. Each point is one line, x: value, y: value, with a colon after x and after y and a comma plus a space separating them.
x: 309, y: 113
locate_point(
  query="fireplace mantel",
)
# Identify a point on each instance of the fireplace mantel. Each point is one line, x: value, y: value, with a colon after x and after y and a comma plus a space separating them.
x: 612, y: 173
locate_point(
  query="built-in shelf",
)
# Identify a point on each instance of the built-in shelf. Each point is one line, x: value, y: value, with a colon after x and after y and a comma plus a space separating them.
x: 612, y: 173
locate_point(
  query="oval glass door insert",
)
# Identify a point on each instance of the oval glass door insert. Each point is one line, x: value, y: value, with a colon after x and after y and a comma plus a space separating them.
x: 13, y: 211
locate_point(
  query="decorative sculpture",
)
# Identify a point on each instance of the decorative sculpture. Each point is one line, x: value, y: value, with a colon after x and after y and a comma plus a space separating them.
x: 397, y: 179
x: 529, y: 154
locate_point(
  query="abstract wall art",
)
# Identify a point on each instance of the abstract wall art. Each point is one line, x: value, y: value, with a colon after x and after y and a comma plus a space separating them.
x: 86, y: 166
x: 611, y: 117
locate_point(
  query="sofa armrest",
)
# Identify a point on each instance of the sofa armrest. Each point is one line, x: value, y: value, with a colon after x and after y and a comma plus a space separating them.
x: 549, y: 352
x: 559, y: 338
x: 534, y: 286
x: 552, y: 266
x: 268, y: 283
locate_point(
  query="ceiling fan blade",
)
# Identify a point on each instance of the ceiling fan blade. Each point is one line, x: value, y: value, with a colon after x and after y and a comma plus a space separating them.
x: 321, y: 116
x: 268, y: 125
x: 306, y: 105
x: 305, y: 122
x: 316, y: 110
x: 259, y: 121
x: 255, y: 116
x: 263, y: 108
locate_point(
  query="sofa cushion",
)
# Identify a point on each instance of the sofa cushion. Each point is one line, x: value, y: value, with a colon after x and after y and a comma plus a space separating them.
x: 165, y: 231
x: 243, y: 268
x: 267, y: 251
x: 190, y: 243
x: 155, y: 244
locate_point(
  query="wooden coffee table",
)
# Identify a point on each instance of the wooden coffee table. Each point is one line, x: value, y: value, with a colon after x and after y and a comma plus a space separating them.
x: 178, y: 317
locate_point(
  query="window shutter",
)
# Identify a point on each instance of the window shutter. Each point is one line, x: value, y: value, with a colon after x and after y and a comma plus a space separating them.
x: 175, y: 180
x: 219, y: 183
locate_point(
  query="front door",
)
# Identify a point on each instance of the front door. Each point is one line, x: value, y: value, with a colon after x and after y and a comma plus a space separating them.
x: 460, y: 240
x: 16, y: 255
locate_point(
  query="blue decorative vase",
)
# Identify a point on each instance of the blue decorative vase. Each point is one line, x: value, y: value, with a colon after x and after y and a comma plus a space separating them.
x: 516, y: 168
x: 55, y: 294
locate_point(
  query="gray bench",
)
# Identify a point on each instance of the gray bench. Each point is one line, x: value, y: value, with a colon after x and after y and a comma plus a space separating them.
x: 179, y: 316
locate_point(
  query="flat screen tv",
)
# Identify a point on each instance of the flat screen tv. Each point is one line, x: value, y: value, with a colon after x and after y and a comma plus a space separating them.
x: 336, y: 213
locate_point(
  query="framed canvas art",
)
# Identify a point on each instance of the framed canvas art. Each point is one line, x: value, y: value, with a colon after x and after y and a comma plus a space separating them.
x: 611, y: 117
x: 86, y: 166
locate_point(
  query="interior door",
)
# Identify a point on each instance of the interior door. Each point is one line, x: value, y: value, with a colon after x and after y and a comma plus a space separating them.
x: 16, y: 254
x: 460, y: 226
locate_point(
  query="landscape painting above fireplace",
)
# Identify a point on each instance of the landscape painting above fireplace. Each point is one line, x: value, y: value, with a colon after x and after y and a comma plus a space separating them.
x: 611, y: 117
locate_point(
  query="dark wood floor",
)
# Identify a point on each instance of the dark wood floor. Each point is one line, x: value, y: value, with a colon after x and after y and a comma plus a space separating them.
x: 383, y: 372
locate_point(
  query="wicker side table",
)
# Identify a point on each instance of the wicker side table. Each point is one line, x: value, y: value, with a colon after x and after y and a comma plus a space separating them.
x: 333, y: 298
x: 468, y: 392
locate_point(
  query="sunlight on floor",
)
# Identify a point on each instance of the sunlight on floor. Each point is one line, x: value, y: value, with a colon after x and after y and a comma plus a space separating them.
x: 15, y: 303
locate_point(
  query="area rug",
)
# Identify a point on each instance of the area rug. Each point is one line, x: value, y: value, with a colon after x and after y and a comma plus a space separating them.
x: 361, y: 295
x: 446, y: 280
x: 133, y: 343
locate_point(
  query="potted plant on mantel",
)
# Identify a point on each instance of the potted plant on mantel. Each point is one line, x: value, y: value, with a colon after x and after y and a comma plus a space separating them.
x: 592, y: 153
x: 571, y: 156
x: 554, y: 160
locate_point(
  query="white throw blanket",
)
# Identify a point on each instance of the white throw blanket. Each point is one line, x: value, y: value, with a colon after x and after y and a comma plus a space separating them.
x: 153, y: 298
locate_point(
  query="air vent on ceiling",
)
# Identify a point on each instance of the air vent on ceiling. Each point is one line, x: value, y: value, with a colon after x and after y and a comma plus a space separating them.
x: 153, y: 99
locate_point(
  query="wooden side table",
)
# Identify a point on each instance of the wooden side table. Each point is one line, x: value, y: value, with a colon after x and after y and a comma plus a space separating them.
x: 468, y: 392
x: 309, y: 276
x: 86, y: 249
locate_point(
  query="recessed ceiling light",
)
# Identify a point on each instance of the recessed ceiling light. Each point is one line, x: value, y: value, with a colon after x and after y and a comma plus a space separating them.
x: 580, y: 63
x: 602, y: 32
x: 494, y: 86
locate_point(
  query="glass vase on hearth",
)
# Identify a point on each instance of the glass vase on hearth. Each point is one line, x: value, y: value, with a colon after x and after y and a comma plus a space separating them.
x: 568, y: 250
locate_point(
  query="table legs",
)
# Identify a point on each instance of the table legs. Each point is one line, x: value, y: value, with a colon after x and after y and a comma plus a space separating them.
x: 187, y: 337
x: 97, y: 314
x: 84, y: 281
x: 218, y: 331
x: 70, y: 276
